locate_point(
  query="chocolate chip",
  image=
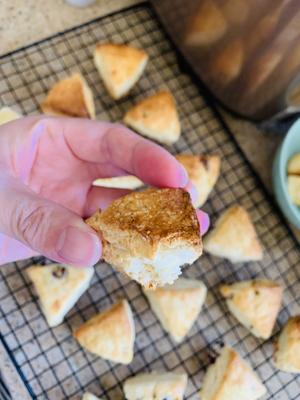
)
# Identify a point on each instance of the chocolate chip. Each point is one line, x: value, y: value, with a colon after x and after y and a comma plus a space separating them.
x: 204, y: 161
x: 59, y: 271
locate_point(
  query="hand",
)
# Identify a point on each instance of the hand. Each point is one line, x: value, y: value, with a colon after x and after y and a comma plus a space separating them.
x: 47, y: 166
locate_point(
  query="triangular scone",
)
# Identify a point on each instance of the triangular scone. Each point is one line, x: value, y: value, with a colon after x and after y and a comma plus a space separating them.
x: 231, y: 378
x: 177, y: 306
x: 59, y: 287
x: 148, y: 235
x: 119, y: 182
x: 7, y: 114
x: 109, y: 334
x: 234, y: 237
x: 155, y: 117
x: 70, y: 97
x: 255, y: 304
x: 287, y: 347
x: 120, y: 66
x: 90, y: 396
x: 294, y: 164
x: 203, y: 171
x: 156, y: 386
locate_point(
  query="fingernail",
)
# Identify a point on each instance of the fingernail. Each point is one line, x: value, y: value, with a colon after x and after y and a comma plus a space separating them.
x: 191, y: 188
x: 76, y: 246
x: 183, y: 176
x: 204, y: 221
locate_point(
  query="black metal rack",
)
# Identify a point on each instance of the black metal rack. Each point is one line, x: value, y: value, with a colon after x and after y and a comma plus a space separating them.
x: 50, y: 362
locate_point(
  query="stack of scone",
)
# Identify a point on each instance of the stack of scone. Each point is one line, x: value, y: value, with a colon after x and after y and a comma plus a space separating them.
x: 149, y: 235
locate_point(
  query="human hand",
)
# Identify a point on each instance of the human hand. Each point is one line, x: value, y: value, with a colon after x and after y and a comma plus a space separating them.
x: 46, y: 172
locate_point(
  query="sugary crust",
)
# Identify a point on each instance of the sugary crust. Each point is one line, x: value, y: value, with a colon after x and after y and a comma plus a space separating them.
x: 255, y: 304
x: 70, y: 97
x: 109, y: 334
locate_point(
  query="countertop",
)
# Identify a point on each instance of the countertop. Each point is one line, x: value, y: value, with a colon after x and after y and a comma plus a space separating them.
x: 50, y: 17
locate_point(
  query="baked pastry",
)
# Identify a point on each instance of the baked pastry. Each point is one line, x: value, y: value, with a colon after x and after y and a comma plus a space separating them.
x: 177, y: 306
x: 234, y: 237
x: 203, y: 171
x: 293, y: 184
x: 7, y: 114
x: 109, y: 334
x: 287, y: 347
x: 230, y: 378
x: 156, y: 386
x: 120, y: 67
x: 206, y: 26
x: 58, y: 288
x: 119, y: 182
x: 70, y: 97
x: 148, y: 235
x: 294, y: 163
x: 90, y: 396
x: 255, y: 304
x: 155, y: 117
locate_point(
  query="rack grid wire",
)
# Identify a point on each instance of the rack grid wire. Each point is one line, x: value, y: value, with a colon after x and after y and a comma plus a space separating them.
x: 51, y: 363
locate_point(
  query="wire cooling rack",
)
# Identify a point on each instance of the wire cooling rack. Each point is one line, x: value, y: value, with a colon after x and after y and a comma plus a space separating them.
x: 51, y: 363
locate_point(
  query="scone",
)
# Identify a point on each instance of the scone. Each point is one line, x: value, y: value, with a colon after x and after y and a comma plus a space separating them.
x: 294, y: 164
x: 255, y: 304
x: 58, y: 288
x: 90, y: 396
x: 234, y: 237
x: 119, y: 182
x: 120, y: 67
x: 177, y: 306
x: 155, y: 117
x: 148, y: 235
x: 109, y: 334
x: 203, y: 171
x: 206, y: 26
x: 70, y: 97
x: 7, y: 114
x: 231, y: 378
x: 156, y: 386
x: 293, y: 184
x: 287, y: 347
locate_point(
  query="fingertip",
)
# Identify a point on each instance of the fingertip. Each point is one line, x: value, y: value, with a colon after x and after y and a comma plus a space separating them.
x: 204, y: 221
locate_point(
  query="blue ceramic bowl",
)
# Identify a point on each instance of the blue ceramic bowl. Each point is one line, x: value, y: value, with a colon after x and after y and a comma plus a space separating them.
x: 289, y: 147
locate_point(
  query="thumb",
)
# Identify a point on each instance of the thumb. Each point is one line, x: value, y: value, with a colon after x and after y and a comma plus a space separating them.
x: 46, y: 227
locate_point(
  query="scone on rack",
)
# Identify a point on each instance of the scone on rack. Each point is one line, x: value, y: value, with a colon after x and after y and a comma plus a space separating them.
x: 177, y: 306
x: 287, y: 347
x: 234, y: 237
x: 58, y: 288
x: 155, y: 117
x: 70, y: 97
x: 109, y: 334
x: 294, y: 165
x: 231, y: 378
x: 156, y: 386
x: 120, y: 67
x: 255, y: 304
x: 203, y: 171
x: 7, y: 114
x: 119, y: 182
x: 90, y: 396
x: 149, y: 235
x: 293, y: 185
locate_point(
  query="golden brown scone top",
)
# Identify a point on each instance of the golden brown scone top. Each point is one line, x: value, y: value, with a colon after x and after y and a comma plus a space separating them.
x: 152, y: 214
x: 67, y: 97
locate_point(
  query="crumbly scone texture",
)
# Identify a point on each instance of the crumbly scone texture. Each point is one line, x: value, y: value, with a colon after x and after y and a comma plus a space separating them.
x: 203, y: 171
x: 287, y: 347
x: 70, y: 97
x: 177, y: 306
x: 155, y: 117
x: 58, y: 288
x: 144, y: 225
x: 230, y: 377
x: 120, y: 66
x: 234, y: 237
x: 156, y: 386
x: 109, y: 334
x: 255, y: 304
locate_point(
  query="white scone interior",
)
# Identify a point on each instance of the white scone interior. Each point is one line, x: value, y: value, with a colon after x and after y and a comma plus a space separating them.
x: 156, y: 386
x: 90, y: 396
x: 230, y: 378
x: 7, y: 114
